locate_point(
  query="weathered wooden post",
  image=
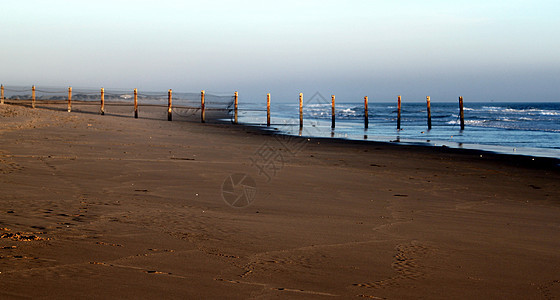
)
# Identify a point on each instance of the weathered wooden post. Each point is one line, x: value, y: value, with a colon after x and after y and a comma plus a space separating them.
x: 461, y: 113
x: 366, y: 112
x: 300, y: 110
x: 33, y: 96
x: 2, y: 94
x: 429, y: 113
x: 268, y: 110
x: 399, y: 113
x: 69, y: 99
x: 102, y: 101
x: 235, y: 108
x: 202, y: 107
x: 332, y: 112
x: 136, y: 103
x: 169, y: 108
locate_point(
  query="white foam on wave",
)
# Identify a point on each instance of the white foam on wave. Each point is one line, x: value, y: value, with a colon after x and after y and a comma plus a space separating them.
x: 532, y: 111
x: 492, y: 108
x: 529, y: 111
x: 316, y: 105
x: 506, y: 120
x: 468, y: 122
x: 502, y: 123
x: 348, y: 112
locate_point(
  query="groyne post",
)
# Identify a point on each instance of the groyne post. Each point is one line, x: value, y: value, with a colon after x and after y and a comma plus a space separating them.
x: 399, y: 112
x: 102, y: 101
x: 33, y: 96
x: 461, y: 113
x: 333, y: 116
x: 202, y: 107
x: 236, y: 96
x: 2, y: 94
x: 300, y: 110
x: 366, y: 112
x: 429, y: 113
x: 169, y: 101
x: 69, y: 99
x: 268, y: 109
x: 136, y: 103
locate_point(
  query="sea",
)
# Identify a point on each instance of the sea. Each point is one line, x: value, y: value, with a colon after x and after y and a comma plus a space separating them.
x: 509, y: 128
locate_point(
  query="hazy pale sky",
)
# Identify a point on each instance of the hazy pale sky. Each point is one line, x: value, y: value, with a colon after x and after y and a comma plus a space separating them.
x: 483, y: 50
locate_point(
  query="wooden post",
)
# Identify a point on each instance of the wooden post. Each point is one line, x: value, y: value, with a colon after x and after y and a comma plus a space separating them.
x: 366, y: 112
x: 429, y: 113
x: 300, y: 110
x: 69, y: 99
x: 33, y: 96
x: 399, y: 113
x: 235, y: 108
x: 169, y: 100
x: 268, y: 109
x: 202, y: 107
x: 332, y: 112
x: 461, y: 113
x: 102, y: 101
x: 136, y: 103
x: 2, y: 94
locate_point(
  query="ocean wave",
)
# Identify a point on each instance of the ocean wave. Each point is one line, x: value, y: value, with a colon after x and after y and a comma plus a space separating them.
x: 492, y: 108
x: 502, y: 124
x: 506, y: 120
x: 530, y: 111
x: 349, y: 112
x: 316, y: 105
x: 467, y: 122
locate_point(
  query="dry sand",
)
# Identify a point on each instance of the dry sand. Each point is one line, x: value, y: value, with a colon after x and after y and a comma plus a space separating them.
x: 115, y: 207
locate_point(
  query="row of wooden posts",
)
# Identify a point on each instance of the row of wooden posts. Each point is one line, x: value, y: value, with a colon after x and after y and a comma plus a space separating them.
x: 236, y: 96
x: 366, y: 110
x: 102, y: 109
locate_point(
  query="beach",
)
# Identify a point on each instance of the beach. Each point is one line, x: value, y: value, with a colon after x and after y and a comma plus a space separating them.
x: 108, y: 206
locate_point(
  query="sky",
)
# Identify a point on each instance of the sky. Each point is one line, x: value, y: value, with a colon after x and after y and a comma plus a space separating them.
x: 482, y: 50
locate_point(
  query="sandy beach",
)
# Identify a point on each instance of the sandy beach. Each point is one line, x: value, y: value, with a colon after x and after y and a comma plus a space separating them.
x: 110, y: 206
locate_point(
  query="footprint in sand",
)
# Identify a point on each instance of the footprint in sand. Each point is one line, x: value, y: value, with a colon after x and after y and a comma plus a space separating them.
x: 550, y: 290
x: 405, y: 263
x: 8, y: 167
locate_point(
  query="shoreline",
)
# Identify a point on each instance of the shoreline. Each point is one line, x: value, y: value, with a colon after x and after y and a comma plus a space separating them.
x: 112, y: 206
x: 525, y: 160
x: 492, y: 132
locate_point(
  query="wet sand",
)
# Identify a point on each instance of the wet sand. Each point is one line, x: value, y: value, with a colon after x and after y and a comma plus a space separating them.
x: 111, y: 206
